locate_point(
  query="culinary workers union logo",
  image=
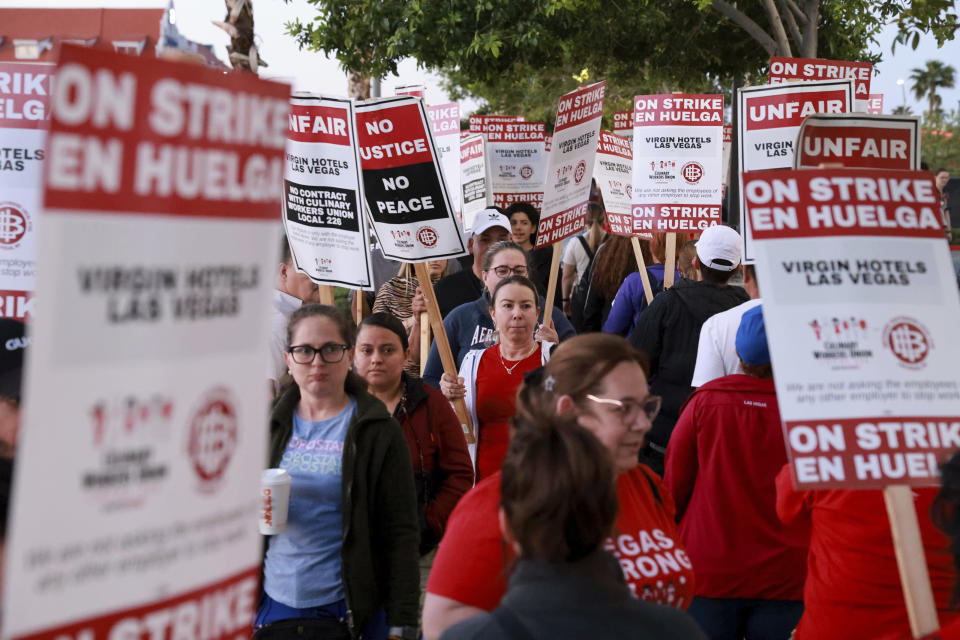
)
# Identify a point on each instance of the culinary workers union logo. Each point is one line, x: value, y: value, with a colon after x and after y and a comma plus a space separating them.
x: 580, y: 171
x: 427, y: 236
x: 526, y: 172
x: 14, y: 224
x: 909, y: 341
x: 212, y: 437
x: 692, y: 172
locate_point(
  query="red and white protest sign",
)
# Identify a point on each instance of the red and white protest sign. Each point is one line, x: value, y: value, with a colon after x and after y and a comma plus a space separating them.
x: 473, y: 178
x: 154, y: 279
x: 322, y: 198
x: 677, y: 161
x: 445, y: 126
x: 875, y: 104
x: 859, y: 140
x: 727, y: 145
x: 517, y: 162
x: 570, y: 167
x: 547, y: 144
x: 24, y: 111
x: 415, y: 90
x: 623, y: 124
x: 487, y: 123
x: 783, y: 69
x: 768, y: 120
x: 860, y: 306
x: 612, y: 170
x: 411, y: 210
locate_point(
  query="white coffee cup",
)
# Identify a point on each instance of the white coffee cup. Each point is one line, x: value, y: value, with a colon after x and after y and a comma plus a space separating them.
x: 274, y: 501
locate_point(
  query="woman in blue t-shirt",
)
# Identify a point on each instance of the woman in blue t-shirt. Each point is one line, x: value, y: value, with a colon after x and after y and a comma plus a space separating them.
x: 350, y: 547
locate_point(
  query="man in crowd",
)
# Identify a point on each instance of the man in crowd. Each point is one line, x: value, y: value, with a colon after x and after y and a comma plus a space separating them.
x: 669, y: 329
x: 717, y: 352
x: 292, y: 289
x: 456, y: 289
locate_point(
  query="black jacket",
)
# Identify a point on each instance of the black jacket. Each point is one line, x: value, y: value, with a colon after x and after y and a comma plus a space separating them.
x: 668, y: 331
x: 380, y: 525
x: 584, y: 599
x: 457, y: 289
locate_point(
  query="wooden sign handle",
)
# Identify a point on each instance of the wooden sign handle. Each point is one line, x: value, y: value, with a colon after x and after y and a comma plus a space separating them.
x: 422, y: 272
x: 671, y: 264
x: 326, y: 294
x: 911, y: 560
x: 424, y: 340
x: 358, y: 304
x: 552, y: 285
x: 642, y: 268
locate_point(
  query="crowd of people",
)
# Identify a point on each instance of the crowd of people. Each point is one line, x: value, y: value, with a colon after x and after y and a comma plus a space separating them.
x: 626, y: 476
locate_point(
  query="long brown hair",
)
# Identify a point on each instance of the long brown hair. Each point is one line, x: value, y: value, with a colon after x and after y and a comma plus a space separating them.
x: 658, y: 245
x: 614, y: 262
x: 595, y: 218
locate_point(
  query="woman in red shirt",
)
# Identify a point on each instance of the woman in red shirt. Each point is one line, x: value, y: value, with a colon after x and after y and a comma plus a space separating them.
x: 489, y: 378
x: 601, y: 380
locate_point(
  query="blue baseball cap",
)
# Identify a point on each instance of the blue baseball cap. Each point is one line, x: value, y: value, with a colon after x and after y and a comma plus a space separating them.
x: 752, y: 338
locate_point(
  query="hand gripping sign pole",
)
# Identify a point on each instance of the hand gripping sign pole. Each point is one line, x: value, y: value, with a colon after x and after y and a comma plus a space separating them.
x: 410, y: 207
x: 569, y: 174
x: 839, y: 328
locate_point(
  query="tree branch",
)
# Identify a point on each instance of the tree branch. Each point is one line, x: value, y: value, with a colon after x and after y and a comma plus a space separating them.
x: 797, y: 12
x: 792, y: 26
x: 812, y: 10
x: 742, y: 20
x: 776, y: 23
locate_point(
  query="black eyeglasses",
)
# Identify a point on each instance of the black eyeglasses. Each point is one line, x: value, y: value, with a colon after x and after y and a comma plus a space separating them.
x: 628, y: 410
x: 331, y: 353
x: 503, y: 270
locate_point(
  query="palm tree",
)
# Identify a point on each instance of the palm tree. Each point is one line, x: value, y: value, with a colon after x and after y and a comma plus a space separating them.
x: 902, y: 110
x: 928, y: 79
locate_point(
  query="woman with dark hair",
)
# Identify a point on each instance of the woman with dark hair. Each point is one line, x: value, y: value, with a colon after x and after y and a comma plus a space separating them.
x: 442, y: 470
x: 489, y: 377
x: 631, y: 298
x: 579, y: 252
x: 614, y: 261
x: 601, y: 380
x: 721, y: 467
x: 524, y: 219
x: 348, y: 556
x: 564, y: 584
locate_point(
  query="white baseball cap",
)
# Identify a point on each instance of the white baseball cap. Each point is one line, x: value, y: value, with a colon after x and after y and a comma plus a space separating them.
x: 489, y: 218
x: 719, y: 248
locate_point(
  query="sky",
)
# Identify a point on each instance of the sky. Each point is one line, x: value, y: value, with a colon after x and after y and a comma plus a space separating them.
x: 311, y: 71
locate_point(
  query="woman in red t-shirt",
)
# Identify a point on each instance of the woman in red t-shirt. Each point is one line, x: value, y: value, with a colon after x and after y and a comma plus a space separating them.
x: 602, y: 380
x: 489, y: 378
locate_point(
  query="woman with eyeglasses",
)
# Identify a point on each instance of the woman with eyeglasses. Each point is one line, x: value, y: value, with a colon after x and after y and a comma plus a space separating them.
x: 348, y: 556
x: 600, y: 379
x: 489, y: 378
x: 470, y: 325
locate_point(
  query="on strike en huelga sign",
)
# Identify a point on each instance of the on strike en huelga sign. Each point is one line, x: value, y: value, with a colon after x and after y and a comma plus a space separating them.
x: 677, y: 162
x: 517, y: 162
x: 859, y: 140
x: 483, y: 123
x: 612, y: 170
x: 24, y: 111
x: 411, y: 209
x: 783, y: 69
x: 769, y: 118
x: 155, y: 270
x: 570, y: 164
x: 875, y: 104
x: 622, y: 125
x: 727, y: 145
x: 322, y: 199
x: 445, y: 125
x: 473, y: 178
x: 860, y: 304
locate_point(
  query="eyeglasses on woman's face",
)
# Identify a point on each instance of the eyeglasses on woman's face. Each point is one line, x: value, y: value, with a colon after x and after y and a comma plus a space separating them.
x: 628, y: 410
x: 503, y: 270
x: 331, y: 352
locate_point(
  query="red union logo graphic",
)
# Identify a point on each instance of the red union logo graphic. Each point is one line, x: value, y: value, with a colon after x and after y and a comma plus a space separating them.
x: 212, y: 437
x: 14, y: 224
x: 909, y: 341
x: 580, y: 171
x: 692, y: 172
x: 427, y: 236
x: 526, y: 172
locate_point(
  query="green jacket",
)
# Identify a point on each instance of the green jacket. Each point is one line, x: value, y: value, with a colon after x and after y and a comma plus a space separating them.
x: 380, y: 526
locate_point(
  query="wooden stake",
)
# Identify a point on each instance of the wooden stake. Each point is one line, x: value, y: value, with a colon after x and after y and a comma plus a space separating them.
x: 326, y: 294
x: 443, y: 345
x: 358, y: 304
x: 911, y: 560
x: 642, y: 268
x: 671, y: 265
x: 424, y: 340
x: 552, y: 285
